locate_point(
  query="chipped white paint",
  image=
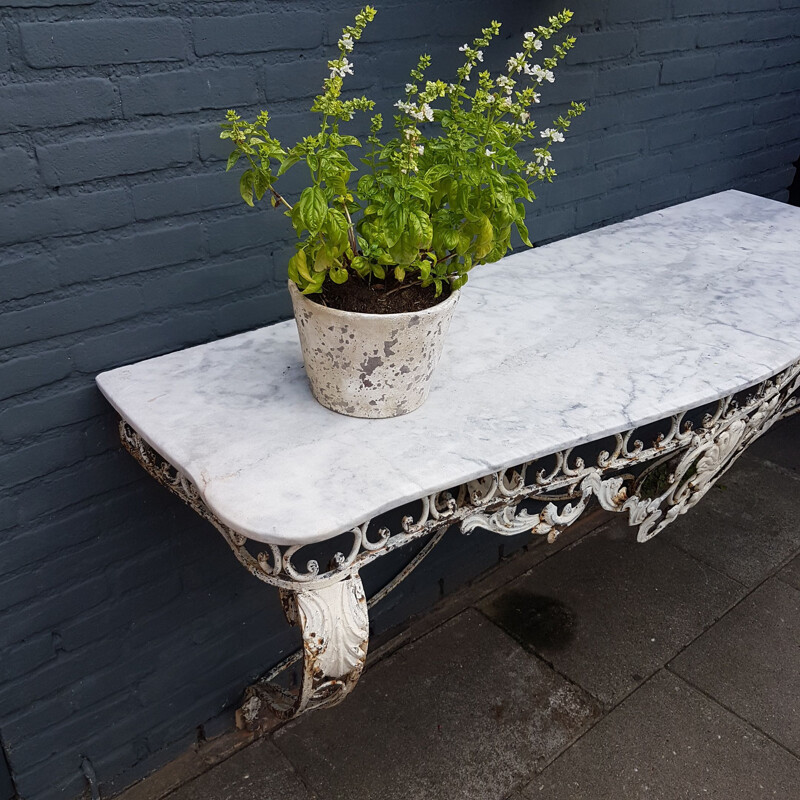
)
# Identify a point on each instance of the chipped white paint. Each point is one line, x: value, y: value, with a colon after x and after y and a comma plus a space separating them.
x: 370, y: 365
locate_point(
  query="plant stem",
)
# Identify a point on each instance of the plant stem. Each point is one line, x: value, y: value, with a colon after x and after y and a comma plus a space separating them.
x: 279, y: 198
x: 414, y: 283
x: 350, y: 232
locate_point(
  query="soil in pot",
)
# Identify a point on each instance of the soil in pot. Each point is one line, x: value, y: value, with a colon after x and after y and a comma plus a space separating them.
x: 380, y: 297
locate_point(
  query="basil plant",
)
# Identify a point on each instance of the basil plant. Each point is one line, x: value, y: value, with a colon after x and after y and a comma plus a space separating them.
x: 435, y: 198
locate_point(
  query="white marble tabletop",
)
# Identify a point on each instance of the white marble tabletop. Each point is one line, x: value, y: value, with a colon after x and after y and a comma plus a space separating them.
x: 549, y: 348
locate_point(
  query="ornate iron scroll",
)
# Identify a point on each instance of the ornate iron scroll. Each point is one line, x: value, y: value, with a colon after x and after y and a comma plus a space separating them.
x: 653, y: 485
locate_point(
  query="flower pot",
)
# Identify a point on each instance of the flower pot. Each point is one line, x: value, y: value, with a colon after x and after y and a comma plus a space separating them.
x: 370, y: 365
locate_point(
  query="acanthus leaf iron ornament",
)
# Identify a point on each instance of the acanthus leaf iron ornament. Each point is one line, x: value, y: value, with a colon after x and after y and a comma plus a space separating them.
x: 653, y: 485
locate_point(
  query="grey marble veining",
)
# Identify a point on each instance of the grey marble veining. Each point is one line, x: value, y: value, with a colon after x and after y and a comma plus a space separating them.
x: 548, y: 349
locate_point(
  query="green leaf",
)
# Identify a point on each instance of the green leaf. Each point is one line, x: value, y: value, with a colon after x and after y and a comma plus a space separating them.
x: 523, y: 232
x: 299, y: 264
x: 399, y: 274
x: 246, y: 187
x: 361, y: 266
x: 261, y: 183
x: 419, y: 225
x: 232, y: 159
x: 338, y: 274
x: 485, y: 237
x: 394, y: 221
x: 436, y: 173
x: 315, y: 208
x: 323, y: 261
x: 287, y: 163
x: 315, y: 284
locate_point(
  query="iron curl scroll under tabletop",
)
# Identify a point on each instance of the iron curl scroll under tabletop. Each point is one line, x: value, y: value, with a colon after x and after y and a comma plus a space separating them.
x: 653, y: 484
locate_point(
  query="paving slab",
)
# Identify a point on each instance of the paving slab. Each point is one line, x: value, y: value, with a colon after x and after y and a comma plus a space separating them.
x: 781, y: 444
x: 461, y: 713
x: 747, y: 525
x: 668, y: 741
x: 791, y: 573
x: 259, y: 772
x: 608, y: 611
x: 749, y: 662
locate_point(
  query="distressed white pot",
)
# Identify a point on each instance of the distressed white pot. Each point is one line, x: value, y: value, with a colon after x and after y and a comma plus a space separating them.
x: 370, y: 365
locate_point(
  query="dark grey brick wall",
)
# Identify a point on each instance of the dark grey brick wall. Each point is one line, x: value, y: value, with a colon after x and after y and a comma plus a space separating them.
x: 125, y: 625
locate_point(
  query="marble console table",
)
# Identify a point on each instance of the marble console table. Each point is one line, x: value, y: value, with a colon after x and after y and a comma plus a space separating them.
x: 689, y: 316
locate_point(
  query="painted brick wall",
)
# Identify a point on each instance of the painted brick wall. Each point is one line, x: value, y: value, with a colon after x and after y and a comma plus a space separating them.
x: 126, y: 628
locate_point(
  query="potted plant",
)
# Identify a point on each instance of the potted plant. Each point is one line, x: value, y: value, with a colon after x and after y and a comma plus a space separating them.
x: 380, y: 264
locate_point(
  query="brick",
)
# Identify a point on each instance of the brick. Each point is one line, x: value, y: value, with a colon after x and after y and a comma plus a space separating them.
x: 20, y: 421
x: 618, y: 145
x: 9, y: 512
x: 70, y: 529
x: 570, y: 84
x: 80, y: 43
x: 779, y: 55
x: 133, y: 251
x: 247, y: 229
x: 294, y: 79
x: 24, y: 277
x: 638, y: 10
x: 66, y: 764
x: 732, y: 61
x: 26, y: 657
x: 188, y: 90
x: 728, y: 119
x: 33, y: 461
x: 604, y: 46
x: 688, y: 68
x: 67, y: 491
x: 51, y: 104
x: 389, y: 20
x: 80, y: 312
x: 17, y: 170
x: 109, y: 155
x: 628, y: 78
x: 618, y: 204
x: 42, y: 615
x: 732, y: 145
x: 760, y: 85
x: 5, y: 58
x: 43, y: 3
x: 185, y: 195
x: 662, y: 191
x: 687, y: 8
x: 144, y: 340
x: 668, y: 38
x: 789, y: 80
x: 252, y: 311
x: 210, y: 146
x: 18, y: 375
x: 746, y: 29
x: 57, y: 216
x: 67, y: 567
x: 257, y: 33
x: 205, y: 283
x: 783, y: 132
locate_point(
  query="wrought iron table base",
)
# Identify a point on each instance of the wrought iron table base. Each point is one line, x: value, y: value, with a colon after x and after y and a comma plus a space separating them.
x: 653, y: 485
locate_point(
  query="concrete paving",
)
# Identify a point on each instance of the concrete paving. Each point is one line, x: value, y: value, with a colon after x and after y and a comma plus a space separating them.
x: 602, y: 670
